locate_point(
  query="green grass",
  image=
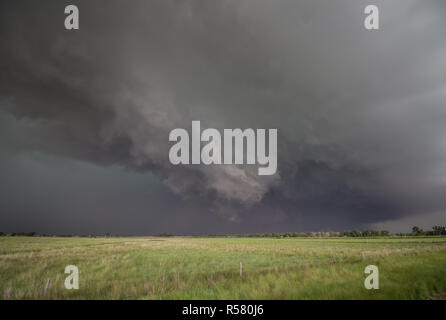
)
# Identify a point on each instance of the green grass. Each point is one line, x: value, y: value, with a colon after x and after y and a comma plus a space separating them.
x: 208, y: 268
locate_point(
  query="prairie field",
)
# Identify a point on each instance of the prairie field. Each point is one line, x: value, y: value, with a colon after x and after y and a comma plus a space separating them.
x: 209, y: 268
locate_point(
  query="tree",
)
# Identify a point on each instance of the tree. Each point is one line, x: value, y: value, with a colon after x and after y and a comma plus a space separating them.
x: 384, y: 233
x: 439, y: 230
x: 355, y: 233
x: 417, y: 231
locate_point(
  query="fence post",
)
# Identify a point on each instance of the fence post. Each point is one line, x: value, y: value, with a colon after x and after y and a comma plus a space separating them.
x: 164, y: 277
x: 46, y: 288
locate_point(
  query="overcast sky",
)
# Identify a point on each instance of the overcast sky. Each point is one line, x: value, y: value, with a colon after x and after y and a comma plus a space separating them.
x: 85, y: 115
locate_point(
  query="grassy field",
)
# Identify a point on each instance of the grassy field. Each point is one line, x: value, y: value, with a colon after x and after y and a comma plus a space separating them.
x: 209, y: 268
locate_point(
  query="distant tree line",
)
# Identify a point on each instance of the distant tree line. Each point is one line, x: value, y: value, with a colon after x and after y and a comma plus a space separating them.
x: 353, y: 233
x: 365, y: 233
x: 164, y: 235
x: 18, y: 234
x: 260, y: 235
x: 416, y: 231
x: 35, y: 234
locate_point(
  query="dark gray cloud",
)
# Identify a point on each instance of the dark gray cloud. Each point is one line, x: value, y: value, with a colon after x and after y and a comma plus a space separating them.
x: 87, y: 114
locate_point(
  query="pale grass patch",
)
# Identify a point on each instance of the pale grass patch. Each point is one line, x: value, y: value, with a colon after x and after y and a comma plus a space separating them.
x: 7, y: 293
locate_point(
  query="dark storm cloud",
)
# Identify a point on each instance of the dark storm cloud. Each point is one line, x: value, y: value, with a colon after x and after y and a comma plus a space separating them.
x: 360, y: 114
